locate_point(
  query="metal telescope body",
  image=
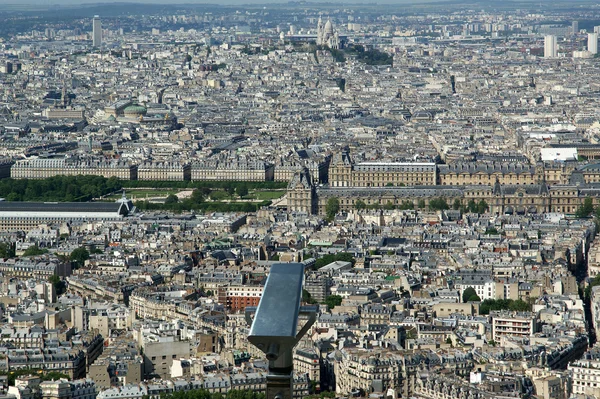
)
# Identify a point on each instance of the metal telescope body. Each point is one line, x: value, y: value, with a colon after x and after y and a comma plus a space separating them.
x: 275, y: 324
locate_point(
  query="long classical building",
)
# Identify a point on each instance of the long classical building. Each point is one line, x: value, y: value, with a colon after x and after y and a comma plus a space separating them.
x: 343, y: 172
x: 304, y: 196
x: 232, y: 170
x: 41, y: 168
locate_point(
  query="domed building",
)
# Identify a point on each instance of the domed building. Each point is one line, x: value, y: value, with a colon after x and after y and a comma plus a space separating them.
x: 326, y: 35
x: 134, y: 111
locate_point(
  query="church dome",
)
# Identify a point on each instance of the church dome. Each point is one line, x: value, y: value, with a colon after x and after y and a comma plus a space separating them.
x: 329, y: 27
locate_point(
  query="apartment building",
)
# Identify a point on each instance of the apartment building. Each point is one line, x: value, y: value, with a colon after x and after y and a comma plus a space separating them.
x: 238, y: 297
x: 586, y: 374
x: 512, y: 324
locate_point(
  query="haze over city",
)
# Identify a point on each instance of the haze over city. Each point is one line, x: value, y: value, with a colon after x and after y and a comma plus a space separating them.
x: 299, y: 200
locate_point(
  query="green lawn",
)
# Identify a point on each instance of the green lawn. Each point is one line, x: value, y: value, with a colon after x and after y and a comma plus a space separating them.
x: 267, y: 195
x: 140, y: 194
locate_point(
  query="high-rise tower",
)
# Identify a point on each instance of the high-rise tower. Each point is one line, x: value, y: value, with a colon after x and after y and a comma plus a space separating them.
x: 97, y: 31
x: 550, y: 46
x: 592, y: 44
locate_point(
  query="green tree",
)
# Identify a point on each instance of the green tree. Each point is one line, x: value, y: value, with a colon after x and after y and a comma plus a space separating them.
x: 456, y: 205
x: 197, y: 196
x: 468, y: 293
x: 585, y: 209
x: 332, y: 207
x: 491, y: 230
x: 230, y: 190
x: 242, y: 190
x: 389, y: 205
x: 332, y: 301
x: 7, y: 250
x: 472, y: 206
x: 34, y: 250
x: 79, y: 256
x: 360, y: 205
x: 421, y: 204
x: 474, y: 298
x: 407, y: 205
x: 58, y: 283
x: 307, y: 297
x: 503, y: 304
x: 438, y: 204
x: 482, y: 207
x: 171, y: 199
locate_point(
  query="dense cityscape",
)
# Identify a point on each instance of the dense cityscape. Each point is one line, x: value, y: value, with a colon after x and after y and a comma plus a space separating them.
x: 434, y: 168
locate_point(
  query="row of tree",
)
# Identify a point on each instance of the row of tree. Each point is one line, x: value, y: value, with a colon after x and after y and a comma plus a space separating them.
x: 224, y: 185
x: 58, y: 188
x: 435, y: 204
x: 470, y: 295
x: 189, y: 204
x: 87, y: 187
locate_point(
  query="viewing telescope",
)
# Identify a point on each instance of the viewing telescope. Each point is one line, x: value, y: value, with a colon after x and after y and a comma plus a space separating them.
x: 275, y: 324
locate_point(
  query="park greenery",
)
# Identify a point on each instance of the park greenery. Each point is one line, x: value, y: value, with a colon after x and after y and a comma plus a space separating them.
x: 58, y: 188
x: 84, y: 188
x: 189, y: 204
x: 220, y: 184
x: 369, y: 57
x: 503, y: 304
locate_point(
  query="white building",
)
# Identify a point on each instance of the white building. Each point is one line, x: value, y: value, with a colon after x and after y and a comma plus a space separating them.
x: 512, y: 324
x: 550, y: 46
x: 586, y: 374
x: 592, y: 44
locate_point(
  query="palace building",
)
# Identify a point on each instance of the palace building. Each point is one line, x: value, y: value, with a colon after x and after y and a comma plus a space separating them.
x: 304, y: 196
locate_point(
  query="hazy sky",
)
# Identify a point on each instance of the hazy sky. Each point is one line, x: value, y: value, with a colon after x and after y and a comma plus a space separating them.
x: 238, y: 2
x: 45, y: 4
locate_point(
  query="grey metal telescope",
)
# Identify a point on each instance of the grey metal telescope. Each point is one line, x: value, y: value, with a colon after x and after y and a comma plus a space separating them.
x: 275, y: 324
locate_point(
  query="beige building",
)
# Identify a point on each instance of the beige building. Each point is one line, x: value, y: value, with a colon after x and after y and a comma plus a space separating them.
x: 42, y: 168
x: 164, y: 171
x: 586, y: 374
x: 306, y: 361
x: 343, y: 172
x: 63, y: 113
x: 474, y: 173
x: 228, y: 170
